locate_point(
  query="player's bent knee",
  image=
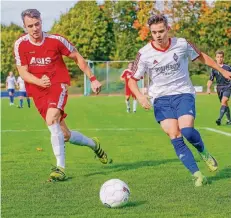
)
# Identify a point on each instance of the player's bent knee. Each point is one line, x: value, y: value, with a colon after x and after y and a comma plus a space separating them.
x: 174, y: 135
x: 51, y: 120
x: 53, y: 116
x: 187, y: 132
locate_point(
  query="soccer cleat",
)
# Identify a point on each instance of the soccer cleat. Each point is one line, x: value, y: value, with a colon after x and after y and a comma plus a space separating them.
x: 228, y: 122
x: 128, y: 110
x: 218, y: 122
x: 199, y: 179
x: 57, y: 174
x: 209, y: 160
x: 100, y: 153
x: 134, y: 111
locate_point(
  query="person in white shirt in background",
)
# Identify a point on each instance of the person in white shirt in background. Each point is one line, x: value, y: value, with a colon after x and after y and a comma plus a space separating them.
x: 22, y: 92
x: 10, y: 86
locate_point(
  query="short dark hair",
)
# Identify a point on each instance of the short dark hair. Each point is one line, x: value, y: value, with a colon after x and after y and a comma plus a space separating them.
x: 158, y: 19
x: 32, y: 13
x: 220, y: 52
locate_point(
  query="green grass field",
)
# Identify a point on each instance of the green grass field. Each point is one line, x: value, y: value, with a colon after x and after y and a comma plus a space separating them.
x: 143, y: 157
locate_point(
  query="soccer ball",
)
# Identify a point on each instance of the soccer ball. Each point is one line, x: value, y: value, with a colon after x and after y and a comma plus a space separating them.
x: 114, y: 193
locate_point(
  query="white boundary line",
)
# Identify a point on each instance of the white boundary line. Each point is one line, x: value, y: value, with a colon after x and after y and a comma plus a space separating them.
x: 113, y: 129
x: 90, y: 129
x: 216, y: 131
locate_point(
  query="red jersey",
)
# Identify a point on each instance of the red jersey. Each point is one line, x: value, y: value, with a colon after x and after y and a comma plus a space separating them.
x: 44, y: 59
x: 127, y: 74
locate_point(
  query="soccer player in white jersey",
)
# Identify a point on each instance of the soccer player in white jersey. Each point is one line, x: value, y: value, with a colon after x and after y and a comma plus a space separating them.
x: 165, y: 60
x: 22, y: 92
x: 10, y: 86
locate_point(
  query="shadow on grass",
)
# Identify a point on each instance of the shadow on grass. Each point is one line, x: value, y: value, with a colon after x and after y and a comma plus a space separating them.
x: 130, y: 204
x: 221, y: 174
x: 131, y: 166
x: 134, y: 204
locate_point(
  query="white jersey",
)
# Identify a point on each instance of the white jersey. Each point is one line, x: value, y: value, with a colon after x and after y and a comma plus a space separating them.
x: 21, y: 84
x: 168, y: 69
x: 10, y: 80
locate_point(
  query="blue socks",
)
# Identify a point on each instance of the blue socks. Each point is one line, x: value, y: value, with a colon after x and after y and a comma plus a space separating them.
x: 193, y: 137
x: 28, y: 102
x: 12, y: 99
x: 185, y: 155
x: 222, y: 111
x: 21, y: 103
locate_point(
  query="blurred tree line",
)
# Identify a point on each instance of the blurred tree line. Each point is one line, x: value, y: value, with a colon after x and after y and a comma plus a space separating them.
x: 115, y: 30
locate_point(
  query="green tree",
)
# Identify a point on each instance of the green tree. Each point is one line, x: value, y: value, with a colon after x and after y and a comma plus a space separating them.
x: 9, y: 35
x: 86, y: 26
x: 127, y: 40
x: 215, y: 28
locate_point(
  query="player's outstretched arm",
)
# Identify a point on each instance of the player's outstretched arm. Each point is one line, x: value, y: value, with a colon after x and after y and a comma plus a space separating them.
x: 80, y: 61
x: 205, y: 59
x: 29, y: 78
x: 143, y: 100
x: 209, y: 84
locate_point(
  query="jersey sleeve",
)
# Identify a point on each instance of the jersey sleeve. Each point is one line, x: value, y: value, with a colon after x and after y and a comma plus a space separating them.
x: 192, y: 52
x: 139, y: 68
x: 124, y: 74
x: 65, y: 47
x: 229, y: 69
x: 212, y: 75
x: 19, y: 54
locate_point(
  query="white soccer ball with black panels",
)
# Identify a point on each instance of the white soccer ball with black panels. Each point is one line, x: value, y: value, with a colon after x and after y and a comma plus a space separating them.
x: 114, y: 193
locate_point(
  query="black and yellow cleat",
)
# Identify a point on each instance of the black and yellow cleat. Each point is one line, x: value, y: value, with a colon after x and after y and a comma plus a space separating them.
x: 100, y: 153
x: 209, y: 160
x: 57, y: 174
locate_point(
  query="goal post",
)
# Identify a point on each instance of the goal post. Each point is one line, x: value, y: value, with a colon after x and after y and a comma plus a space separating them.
x: 108, y: 73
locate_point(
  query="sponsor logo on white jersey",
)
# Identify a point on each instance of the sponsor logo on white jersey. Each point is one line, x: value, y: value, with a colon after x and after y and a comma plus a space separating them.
x: 40, y: 61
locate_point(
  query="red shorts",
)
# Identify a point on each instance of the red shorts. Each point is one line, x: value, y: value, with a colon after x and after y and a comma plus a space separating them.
x: 53, y: 97
x: 128, y: 92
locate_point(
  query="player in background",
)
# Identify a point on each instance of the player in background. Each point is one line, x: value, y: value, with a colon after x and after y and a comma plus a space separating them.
x: 10, y: 86
x: 22, y: 92
x: 125, y: 76
x: 39, y: 61
x: 223, y: 87
x: 165, y: 60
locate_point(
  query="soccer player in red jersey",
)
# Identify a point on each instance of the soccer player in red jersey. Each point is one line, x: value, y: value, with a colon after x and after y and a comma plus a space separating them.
x: 39, y: 61
x: 125, y: 76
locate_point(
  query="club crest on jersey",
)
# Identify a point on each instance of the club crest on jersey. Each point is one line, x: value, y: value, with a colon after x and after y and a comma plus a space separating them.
x: 155, y: 62
x: 175, y: 57
x: 40, y: 61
